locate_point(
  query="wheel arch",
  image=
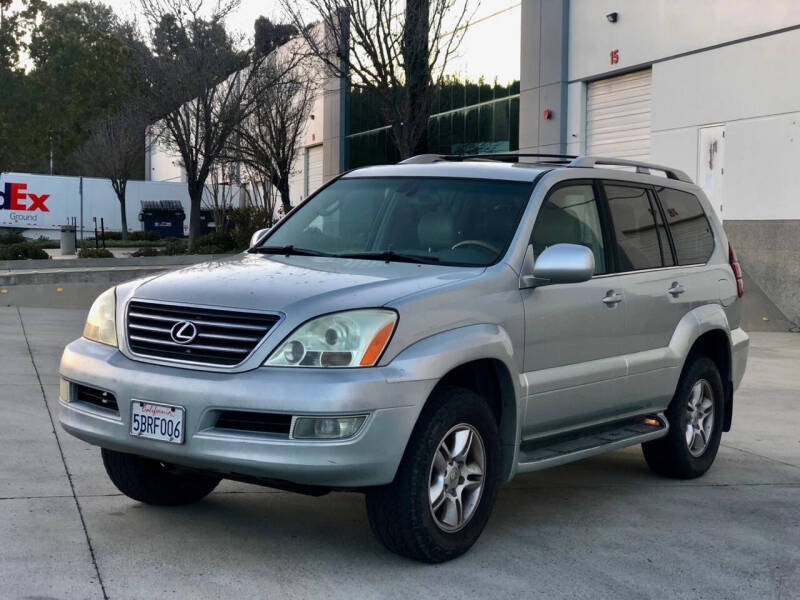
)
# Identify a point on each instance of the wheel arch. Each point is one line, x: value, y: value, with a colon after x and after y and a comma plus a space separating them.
x: 479, y: 358
x: 490, y: 379
x: 705, y: 331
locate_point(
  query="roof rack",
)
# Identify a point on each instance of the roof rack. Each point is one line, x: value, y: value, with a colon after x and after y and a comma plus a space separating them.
x: 569, y: 160
x: 644, y: 168
x: 499, y: 156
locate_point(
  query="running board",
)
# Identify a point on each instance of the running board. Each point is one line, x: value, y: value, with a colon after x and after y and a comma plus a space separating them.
x: 564, y: 448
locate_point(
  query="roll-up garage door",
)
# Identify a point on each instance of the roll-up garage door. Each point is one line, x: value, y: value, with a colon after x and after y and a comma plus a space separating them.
x: 618, y: 116
x: 313, y: 169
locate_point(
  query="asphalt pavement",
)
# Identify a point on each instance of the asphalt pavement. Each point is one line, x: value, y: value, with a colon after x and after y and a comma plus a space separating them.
x: 602, y: 528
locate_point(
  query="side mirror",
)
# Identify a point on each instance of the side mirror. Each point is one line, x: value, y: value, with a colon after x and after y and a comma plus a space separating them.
x: 560, y: 263
x: 256, y: 237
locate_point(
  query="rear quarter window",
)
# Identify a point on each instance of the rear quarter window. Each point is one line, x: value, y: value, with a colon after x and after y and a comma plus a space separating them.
x: 688, y: 224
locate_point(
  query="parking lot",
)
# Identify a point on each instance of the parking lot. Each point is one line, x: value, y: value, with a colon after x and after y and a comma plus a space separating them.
x: 602, y: 528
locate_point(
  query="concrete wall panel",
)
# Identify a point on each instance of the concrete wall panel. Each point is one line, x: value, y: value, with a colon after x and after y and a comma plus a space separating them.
x: 651, y: 30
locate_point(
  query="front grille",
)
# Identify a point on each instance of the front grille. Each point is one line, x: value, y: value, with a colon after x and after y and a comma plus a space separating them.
x: 224, y: 337
x: 240, y: 420
x: 96, y: 397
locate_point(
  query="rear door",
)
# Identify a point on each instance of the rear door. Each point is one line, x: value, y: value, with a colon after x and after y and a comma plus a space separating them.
x: 657, y: 289
x: 573, y: 359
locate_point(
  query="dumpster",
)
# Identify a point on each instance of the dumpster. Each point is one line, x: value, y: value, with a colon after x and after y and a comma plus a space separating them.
x: 207, y: 224
x: 68, y: 240
x: 165, y: 217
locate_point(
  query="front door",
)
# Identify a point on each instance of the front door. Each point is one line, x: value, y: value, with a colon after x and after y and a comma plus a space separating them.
x: 573, y: 360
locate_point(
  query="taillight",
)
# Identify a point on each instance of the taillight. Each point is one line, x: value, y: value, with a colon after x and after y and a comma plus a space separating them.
x: 737, y: 270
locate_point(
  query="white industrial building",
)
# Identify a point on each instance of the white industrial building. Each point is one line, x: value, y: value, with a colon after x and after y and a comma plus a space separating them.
x: 711, y: 87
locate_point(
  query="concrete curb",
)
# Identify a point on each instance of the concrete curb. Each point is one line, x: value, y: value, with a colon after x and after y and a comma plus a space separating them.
x: 90, y: 263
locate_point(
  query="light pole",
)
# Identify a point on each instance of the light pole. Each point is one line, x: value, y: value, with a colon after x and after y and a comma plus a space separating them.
x: 50, y: 133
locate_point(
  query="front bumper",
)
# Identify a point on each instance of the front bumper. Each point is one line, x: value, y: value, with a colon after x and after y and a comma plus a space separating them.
x: 369, y: 458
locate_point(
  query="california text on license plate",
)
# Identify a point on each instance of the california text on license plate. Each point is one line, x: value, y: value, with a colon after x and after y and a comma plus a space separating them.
x: 157, y: 421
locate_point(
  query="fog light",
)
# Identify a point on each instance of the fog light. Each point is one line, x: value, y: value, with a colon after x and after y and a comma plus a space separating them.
x: 327, y: 428
x: 63, y: 390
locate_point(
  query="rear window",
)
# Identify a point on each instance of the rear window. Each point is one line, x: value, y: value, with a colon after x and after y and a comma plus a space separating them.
x: 691, y: 232
x: 641, y: 243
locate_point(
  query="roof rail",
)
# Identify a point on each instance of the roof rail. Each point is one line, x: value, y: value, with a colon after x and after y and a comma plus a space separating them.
x: 499, y: 156
x: 641, y: 167
x: 421, y: 159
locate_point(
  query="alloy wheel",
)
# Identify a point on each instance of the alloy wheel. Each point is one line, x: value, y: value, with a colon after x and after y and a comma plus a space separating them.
x: 699, y: 418
x: 457, y: 477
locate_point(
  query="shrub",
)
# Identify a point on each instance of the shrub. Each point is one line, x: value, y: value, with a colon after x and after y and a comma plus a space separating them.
x: 23, y: 251
x: 219, y: 241
x: 244, y: 222
x: 9, y: 237
x: 173, y: 247
x: 94, y: 253
x: 143, y: 236
x: 149, y: 251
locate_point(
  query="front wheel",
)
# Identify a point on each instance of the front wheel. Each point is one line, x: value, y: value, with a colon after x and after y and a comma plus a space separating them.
x: 442, y: 496
x: 154, y: 482
x: 695, y: 416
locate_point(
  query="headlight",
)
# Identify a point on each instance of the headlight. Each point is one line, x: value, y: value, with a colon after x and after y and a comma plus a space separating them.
x: 355, y: 338
x: 101, y: 323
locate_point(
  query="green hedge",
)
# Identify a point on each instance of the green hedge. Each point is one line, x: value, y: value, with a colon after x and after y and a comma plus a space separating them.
x: 23, y: 251
x: 94, y: 253
x: 9, y: 237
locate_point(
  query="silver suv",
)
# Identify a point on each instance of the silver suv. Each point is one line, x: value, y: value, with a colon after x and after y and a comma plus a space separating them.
x: 423, y: 332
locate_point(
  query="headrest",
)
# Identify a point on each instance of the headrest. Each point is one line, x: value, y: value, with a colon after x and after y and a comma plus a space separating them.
x: 435, y: 230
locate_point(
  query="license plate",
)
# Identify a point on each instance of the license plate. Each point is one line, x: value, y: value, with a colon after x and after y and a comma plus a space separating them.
x: 157, y: 421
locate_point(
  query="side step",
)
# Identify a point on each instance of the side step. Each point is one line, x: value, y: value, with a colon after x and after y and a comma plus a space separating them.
x: 568, y: 447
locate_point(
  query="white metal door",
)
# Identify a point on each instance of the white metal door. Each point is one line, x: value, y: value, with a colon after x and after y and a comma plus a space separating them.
x: 618, y: 116
x: 313, y: 168
x: 710, y: 168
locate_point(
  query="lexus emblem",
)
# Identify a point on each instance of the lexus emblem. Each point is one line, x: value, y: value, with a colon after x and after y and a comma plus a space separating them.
x: 183, y: 332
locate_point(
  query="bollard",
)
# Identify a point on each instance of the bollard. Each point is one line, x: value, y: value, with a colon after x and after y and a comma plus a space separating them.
x: 68, y: 240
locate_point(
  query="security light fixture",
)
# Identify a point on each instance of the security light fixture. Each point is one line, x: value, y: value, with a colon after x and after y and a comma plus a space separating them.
x: 612, y: 17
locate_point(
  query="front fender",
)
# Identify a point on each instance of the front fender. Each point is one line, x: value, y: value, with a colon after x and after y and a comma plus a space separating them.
x: 434, y: 357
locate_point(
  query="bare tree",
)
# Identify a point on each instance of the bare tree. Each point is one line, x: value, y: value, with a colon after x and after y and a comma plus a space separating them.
x: 269, y: 139
x: 113, y: 151
x: 264, y: 196
x: 219, y: 193
x: 204, y: 87
x: 396, y: 49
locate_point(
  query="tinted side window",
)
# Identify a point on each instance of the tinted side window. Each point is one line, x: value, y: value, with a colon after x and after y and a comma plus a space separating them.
x: 666, y: 250
x: 688, y: 224
x: 569, y: 215
x: 634, y: 218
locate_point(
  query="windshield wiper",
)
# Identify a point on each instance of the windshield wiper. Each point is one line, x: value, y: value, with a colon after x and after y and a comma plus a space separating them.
x: 392, y: 256
x: 288, y: 251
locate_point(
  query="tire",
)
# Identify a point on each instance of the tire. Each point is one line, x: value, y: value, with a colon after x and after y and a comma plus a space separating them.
x: 151, y: 482
x: 672, y: 456
x: 401, y: 514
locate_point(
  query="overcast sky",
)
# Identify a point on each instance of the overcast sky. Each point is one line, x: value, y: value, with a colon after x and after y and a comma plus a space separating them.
x: 491, y: 47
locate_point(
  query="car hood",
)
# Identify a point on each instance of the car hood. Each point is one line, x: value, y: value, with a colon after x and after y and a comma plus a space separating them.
x: 283, y: 283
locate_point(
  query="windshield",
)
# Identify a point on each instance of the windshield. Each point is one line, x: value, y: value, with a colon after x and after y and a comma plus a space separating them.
x: 443, y: 221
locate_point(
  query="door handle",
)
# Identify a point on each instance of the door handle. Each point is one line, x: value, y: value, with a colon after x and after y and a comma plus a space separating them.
x: 612, y: 298
x: 676, y: 289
